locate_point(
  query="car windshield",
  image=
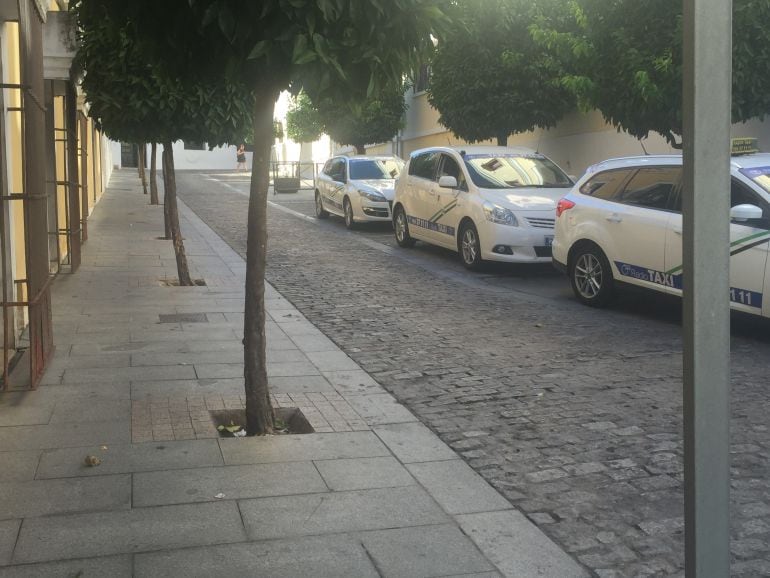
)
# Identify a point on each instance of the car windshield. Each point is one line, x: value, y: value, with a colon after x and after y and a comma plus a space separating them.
x: 514, y: 171
x: 760, y: 175
x: 374, y: 169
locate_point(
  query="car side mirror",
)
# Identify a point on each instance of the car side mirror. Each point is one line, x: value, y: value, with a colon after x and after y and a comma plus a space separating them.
x: 742, y: 213
x: 447, y: 182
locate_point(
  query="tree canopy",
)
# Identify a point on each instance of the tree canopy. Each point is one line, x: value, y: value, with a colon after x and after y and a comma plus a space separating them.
x: 624, y: 58
x: 375, y: 119
x: 302, y: 121
x: 135, y: 97
x: 490, y: 79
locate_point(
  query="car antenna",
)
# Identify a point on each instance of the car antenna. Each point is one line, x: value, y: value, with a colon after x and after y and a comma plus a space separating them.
x: 644, y: 149
x: 539, y: 139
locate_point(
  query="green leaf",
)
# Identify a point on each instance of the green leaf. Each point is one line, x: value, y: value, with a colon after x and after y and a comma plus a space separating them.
x: 302, y: 54
x: 259, y: 50
x: 226, y: 21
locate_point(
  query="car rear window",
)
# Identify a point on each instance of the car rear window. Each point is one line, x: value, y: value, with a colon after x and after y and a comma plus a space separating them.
x: 651, y: 187
x: 606, y: 184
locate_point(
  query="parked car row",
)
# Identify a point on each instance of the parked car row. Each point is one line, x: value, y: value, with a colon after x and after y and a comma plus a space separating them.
x: 620, y: 223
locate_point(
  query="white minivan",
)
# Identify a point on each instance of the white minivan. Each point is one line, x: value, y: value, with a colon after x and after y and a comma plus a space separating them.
x: 622, y: 223
x: 485, y: 202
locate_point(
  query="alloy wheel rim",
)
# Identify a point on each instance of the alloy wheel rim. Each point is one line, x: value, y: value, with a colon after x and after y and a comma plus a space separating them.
x: 400, y: 227
x: 469, y: 246
x: 348, y: 214
x: 588, y: 275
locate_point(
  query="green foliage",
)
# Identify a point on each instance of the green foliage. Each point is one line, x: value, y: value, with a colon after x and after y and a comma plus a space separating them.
x: 625, y: 59
x: 373, y: 120
x: 345, y: 49
x: 376, y: 119
x: 303, y: 123
x: 751, y: 59
x: 489, y: 77
x: 136, y: 97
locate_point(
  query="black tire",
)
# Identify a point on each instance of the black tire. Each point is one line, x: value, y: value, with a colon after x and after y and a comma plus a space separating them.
x: 347, y: 209
x: 590, y: 275
x: 320, y: 212
x: 401, y: 228
x: 469, y: 246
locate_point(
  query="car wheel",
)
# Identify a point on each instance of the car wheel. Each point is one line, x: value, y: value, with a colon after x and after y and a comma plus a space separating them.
x: 401, y: 228
x: 591, y: 276
x: 347, y: 208
x: 470, y: 247
x: 320, y: 212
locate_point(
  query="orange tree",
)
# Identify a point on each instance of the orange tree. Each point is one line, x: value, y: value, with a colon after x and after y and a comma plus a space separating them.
x: 136, y: 98
x: 624, y: 58
x: 490, y: 79
x: 374, y: 120
x: 343, y: 49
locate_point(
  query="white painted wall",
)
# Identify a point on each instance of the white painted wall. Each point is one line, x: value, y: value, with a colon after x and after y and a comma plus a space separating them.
x: 107, y: 161
x: 224, y: 158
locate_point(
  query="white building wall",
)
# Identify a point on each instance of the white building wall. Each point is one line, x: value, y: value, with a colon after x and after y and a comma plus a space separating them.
x: 224, y: 158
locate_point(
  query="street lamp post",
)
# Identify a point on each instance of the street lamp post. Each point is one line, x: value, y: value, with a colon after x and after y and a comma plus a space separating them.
x: 706, y: 110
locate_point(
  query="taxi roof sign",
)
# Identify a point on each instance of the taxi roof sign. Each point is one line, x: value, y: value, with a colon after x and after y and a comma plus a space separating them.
x: 743, y: 146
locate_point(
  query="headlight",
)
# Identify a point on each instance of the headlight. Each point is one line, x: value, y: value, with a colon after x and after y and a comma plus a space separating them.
x: 500, y: 215
x: 372, y: 196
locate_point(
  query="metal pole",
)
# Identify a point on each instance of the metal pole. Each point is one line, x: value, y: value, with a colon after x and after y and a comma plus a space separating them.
x: 84, y: 175
x: 73, y: 186
x: 707, y: 67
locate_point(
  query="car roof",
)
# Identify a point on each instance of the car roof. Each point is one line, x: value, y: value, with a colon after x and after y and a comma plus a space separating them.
x: 751, y: 160
x: 370, y: 157
x: 636, y: 161
x: 477, y: 150
x: 737, y: 161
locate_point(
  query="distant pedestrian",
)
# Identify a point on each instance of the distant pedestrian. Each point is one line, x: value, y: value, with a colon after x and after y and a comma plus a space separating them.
x: 241, y: 157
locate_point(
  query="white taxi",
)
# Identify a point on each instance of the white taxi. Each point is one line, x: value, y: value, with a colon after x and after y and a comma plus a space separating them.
x: 622, y: 223
x: 485, y: 202
x: 358, y: 188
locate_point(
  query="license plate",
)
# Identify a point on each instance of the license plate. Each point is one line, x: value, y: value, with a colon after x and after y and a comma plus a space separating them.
x: 549, y: 241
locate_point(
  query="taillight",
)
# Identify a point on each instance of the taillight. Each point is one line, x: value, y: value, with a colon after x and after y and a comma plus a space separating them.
x: 563, y: 205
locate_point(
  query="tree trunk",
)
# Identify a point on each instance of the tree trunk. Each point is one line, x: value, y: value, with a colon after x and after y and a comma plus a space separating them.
x: 502, y: 140
x: 169, y: 183
x: 154, y: 175
x: 166, y: 220
x: 259, y: 410
x: 360, y: 149
x: 142, y: 163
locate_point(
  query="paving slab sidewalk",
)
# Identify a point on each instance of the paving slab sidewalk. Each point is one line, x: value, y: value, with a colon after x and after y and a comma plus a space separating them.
x: 139, y: 365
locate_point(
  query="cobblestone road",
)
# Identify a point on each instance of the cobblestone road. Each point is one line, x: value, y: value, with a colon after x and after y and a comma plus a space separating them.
x: 574, y: 414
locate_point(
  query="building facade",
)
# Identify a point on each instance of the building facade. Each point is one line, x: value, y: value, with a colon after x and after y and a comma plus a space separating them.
x: 577, y: 142
x: 52, y: 173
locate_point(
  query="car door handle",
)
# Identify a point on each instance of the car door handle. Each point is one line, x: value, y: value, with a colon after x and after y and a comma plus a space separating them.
x: 677, y: 231
x: 614, y: 218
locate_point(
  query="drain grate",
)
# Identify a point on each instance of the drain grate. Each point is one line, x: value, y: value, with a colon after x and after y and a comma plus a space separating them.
x: 183, y: 318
